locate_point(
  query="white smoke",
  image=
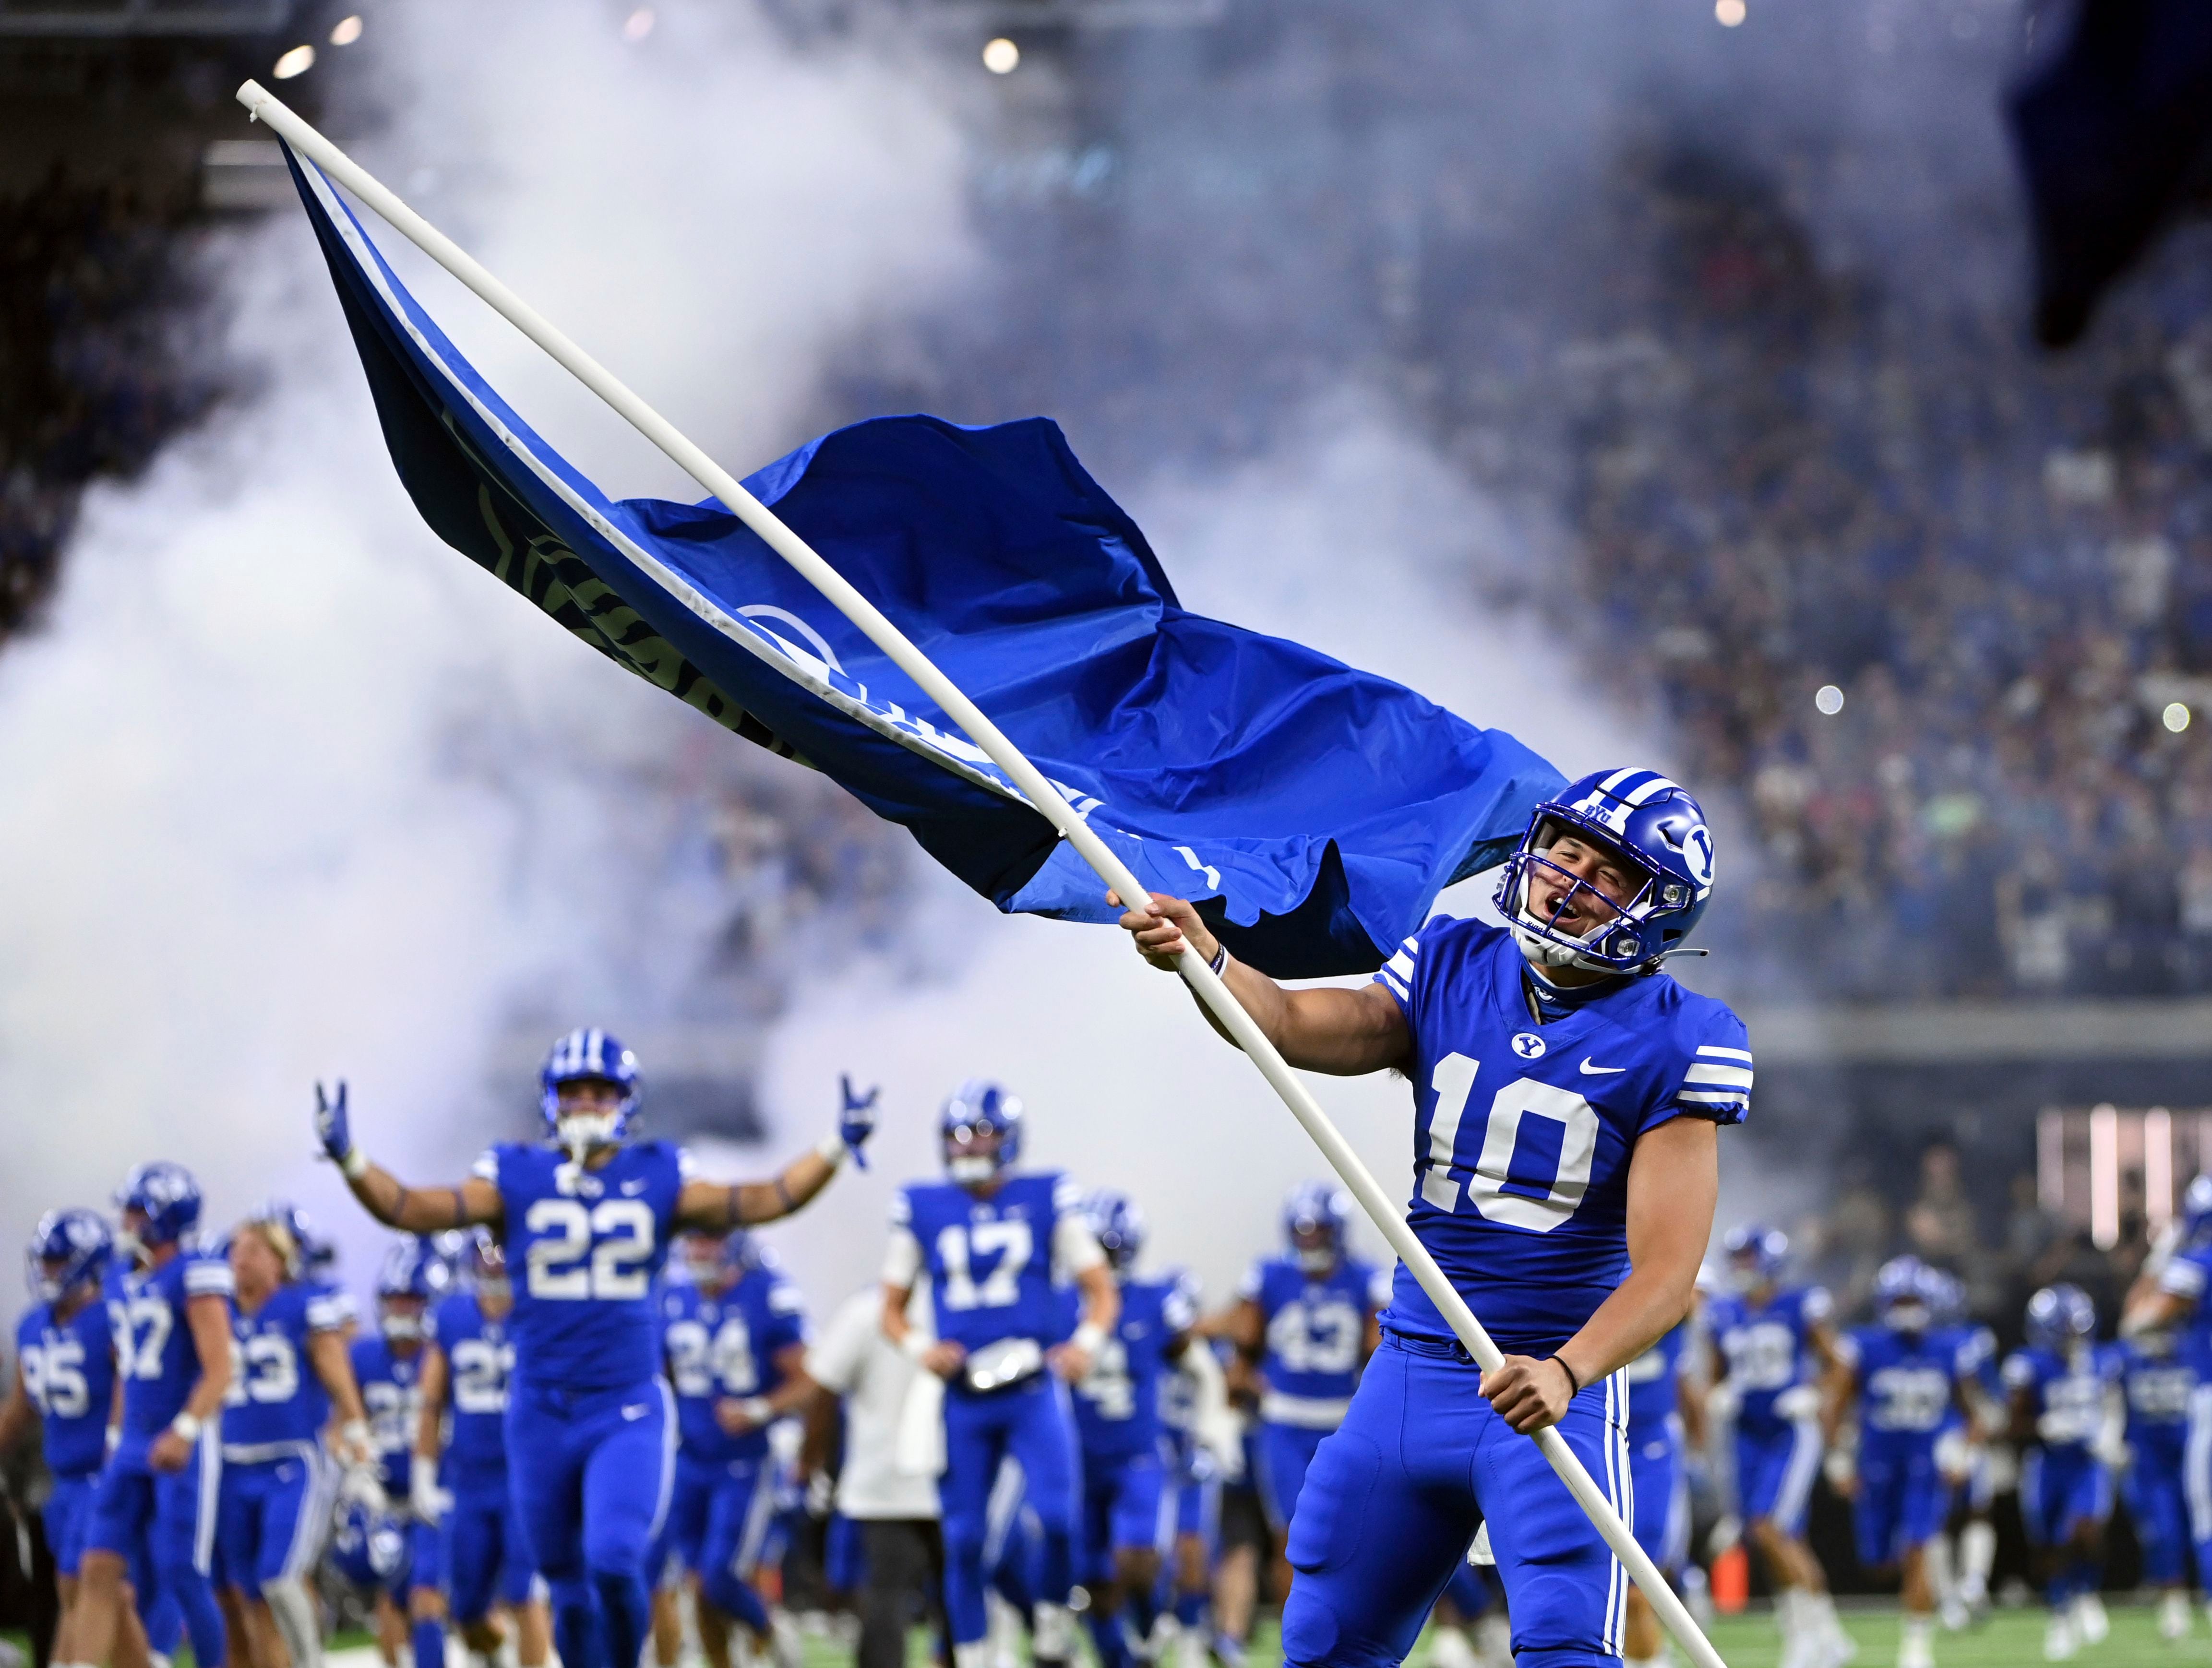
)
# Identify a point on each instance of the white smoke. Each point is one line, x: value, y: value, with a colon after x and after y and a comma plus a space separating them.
x: 294, y: 791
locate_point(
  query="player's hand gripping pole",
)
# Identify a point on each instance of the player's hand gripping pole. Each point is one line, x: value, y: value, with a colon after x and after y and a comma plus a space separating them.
x: 1025, y: 776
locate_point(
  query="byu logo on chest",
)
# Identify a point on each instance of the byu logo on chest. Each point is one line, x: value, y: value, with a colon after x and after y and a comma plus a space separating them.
x: 1528, y: 1045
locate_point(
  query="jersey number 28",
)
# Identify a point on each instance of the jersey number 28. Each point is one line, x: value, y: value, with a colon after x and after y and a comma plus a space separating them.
x: 616, y: 1234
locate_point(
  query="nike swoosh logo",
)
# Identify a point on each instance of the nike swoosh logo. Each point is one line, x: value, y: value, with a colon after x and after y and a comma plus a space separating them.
x: 634, y: 1188
x: 636, y: 1412
x: 1589, y: 1071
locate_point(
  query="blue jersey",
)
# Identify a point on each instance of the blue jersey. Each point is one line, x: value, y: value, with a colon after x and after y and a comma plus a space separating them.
x: 989, y: 1260
x: 479, y: 1357
x: 1655, y: 1395
x: 1908, y: 1385
x: 1117, y: 1405
x: 1316, y: 1335
x: 1523, y: 1131
x: 155, y: 1352
x: 68, y: 1373
x: 585, y: 1246
x: 390, y: 1391
x: 1768, y: 1349
x: 271, y: 1410
x: 2065, y: 1392
x: 727, y: 1346
x: 2158, y: 1379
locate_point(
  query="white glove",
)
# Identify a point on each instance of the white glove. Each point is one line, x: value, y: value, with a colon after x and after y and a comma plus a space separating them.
x: 424, y: 1497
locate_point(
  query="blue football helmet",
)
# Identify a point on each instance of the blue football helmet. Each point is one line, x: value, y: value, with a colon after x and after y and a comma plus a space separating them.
x: 722, y: 1259
x: 1656, y: 830
x: 2060, y: 1315
x: 1756, y: 1253
x: 976, y: 1110
x: 588, y: 1054
x: 68, y: 1249
x: 369, y: 1548
x: 1902, y: 1294
x: 413, y: 1277
x: 1947, y: 1297
x: 1315, y: 1217
x: 1119, y: 1225
x: 165, y: 1197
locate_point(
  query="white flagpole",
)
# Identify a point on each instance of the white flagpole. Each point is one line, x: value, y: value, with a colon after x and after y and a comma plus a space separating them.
x: 1025, y: 776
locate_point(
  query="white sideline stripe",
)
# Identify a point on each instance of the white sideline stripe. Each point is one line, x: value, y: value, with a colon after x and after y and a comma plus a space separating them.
x: 1718, y: 1052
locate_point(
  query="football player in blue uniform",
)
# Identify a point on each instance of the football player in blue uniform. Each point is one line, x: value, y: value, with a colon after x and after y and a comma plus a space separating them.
x: 588, y: 1214
x: 993, y: 1242
x: 1205, y: 1441
x: 65, y: 1383
x: 1306, y: 1320
x: 1666, y: 1415
x: 1903, y: 1375
x: 2169, y: 1297
x: 388, y: 1366
x: 171, y: 1320
x: 276, y: 1498
x: 458, y: 1478
x: 1128, y: 1502
x: 1777, y: 1346
x: 735, y: 1338
x: 2158, y: 1382
x: 2059, y: 1406
x: 1568, y: 1096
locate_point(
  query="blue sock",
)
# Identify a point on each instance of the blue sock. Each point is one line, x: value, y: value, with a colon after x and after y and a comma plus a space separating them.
x: 625, y: 1615
x: 576, y: 1622
x: 734, y: 1598
x: 429, y: 1636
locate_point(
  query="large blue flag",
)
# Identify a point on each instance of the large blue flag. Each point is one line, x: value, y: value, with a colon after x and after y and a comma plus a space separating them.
x: 1314, y: 811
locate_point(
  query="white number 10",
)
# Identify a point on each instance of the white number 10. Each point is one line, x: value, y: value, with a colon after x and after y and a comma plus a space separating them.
x: 1453, y: 1080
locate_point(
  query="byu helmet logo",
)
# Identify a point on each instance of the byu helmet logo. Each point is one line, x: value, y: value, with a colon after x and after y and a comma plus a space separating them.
x: 1698, y: 855
x: 1528, y: 1045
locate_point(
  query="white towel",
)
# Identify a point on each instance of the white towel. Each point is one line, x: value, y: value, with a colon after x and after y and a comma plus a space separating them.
x: 921, y: 1451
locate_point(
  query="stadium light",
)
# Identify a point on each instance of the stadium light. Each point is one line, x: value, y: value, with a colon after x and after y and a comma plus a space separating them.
x: 1000, y: 56
x: 346, y: 30
x: 297, y: 62
x: 1829, y: 700
x: 1730, y: 12
x: 2176, y: 716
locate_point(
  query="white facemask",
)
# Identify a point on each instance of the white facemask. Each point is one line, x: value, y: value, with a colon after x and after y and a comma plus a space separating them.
x: 581, y: 1132
x: 1316, y: 1260
x: 1745, y: 1281
x: 968, y: 1168
x: 1908, y: 1318
x: 400, y: 1328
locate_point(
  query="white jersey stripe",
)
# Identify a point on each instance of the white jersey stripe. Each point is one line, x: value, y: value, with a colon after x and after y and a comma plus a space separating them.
x: 1720, y: 1054
x: 1738, y: 1074
x: 1714, y: 1097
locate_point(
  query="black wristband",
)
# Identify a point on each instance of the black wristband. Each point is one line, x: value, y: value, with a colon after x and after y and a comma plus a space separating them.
x: 1575, y: 1383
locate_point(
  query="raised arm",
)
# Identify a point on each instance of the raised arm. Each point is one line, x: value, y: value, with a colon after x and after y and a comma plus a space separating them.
x: 1674, y: 1183
x: 718, y: 1206
x: 384, y: 1195
x: 1327, y: 1028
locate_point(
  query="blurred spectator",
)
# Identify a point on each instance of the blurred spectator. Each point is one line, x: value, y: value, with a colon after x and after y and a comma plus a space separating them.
x: 1939, y: 1225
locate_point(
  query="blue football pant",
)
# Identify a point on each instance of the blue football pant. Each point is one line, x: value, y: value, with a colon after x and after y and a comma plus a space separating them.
x: 1469, y: 1593
x: 591, y: 1493
x: 272, y: 1512
x: 2061, y: 1489
x: 1126, y: 1503
x: 1774, y: 1473
x: 176, y: 1513
x: 1035, y: 1426
x: 1662, y: 1524
x: 484, y: 1557
x: 1284, y: 1453
x: 739, y: 1510
x: 2158, y: 1505
x: 1902, y: 1503
x: 68, y: 1518
x: 1394, y: 1499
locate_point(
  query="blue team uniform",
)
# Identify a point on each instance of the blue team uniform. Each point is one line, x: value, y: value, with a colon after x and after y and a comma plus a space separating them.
x: 1126, y: 1499
x: 275, y: 1490
x: 68, y: 1373
x: 482, y: 1552
x: 1661, y: 1483
x: 2159, y: 1382
x: 391, y: 1393
x: 990, y: 1267
x: 587, y: 1403
x: 2188, y: 1274
x: 1908, y: 1391
x: 1192, y: 1470
x: 1523, y: 1133
x: 2063, y: 1483
x: 1778, y: 1433
x: 173, y: 1512
x: 1315, y: 1341
x: 722, y: 1348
